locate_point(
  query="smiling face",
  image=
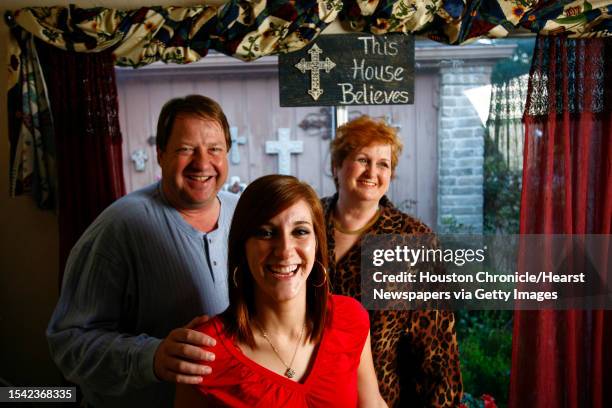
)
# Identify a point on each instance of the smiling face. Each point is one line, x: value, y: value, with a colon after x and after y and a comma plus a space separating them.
x: 193, y: 163
x: 365, y: 174
x: 281, y: 254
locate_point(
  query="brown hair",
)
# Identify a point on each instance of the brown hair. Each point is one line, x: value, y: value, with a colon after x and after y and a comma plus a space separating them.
x: 360, y: 132
x: 194, y: 105
x: 263, y: 199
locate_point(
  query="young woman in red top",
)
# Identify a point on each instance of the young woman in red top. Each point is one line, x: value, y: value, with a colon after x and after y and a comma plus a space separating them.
x: 284, y: 340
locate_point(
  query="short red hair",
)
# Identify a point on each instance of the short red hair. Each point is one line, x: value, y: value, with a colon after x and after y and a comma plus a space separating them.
x: 360, y: 132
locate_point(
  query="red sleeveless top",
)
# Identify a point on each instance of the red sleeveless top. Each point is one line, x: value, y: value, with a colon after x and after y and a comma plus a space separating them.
x: 237, y: 381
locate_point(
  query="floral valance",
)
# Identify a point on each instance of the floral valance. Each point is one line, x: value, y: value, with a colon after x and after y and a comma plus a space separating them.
x: 249, y: 29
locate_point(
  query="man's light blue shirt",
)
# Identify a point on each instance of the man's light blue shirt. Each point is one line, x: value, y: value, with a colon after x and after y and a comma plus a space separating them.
x: 138, y: 272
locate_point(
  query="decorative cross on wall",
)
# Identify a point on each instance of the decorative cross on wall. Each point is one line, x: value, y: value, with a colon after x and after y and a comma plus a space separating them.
x: 236, y: 141
x: 139, y: 158
x: 314, y: 66
x: 389, y: 120
x: 235, y: 185
x: 318, y: 123
x: 284, y: 147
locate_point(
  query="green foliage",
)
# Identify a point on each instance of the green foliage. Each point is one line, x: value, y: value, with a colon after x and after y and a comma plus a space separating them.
x: 518, y: 64
x: 502, y: 182
x: 450, y: 225
x: 485, y: 347
x: 502, y: 193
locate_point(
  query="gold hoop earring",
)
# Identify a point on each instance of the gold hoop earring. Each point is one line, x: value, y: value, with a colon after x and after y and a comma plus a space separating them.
x: 234, y: 277
x: 324, y: 276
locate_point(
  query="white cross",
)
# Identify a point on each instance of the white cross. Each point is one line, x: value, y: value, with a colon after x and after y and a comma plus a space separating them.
x: 314, y: 66
x: 139, y: 157
x: 284, y: 147
x: 236, y: 141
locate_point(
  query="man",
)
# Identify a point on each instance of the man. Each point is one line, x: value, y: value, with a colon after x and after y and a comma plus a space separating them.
x: 150, y: 263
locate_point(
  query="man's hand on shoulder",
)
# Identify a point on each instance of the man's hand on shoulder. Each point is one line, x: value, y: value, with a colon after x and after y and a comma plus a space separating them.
x: 178, y: 355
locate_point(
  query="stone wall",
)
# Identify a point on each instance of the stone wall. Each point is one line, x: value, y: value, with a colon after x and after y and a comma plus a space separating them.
x: 460, y: 150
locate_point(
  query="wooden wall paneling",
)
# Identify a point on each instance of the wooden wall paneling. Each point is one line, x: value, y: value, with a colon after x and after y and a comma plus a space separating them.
x: 427, y: 142
x: 208, y: 85
x: 158, y: 96
x: 243, y: 131
x: 327, y: 182
x: 121, y: 90
x: 299, y: 161
x: 309, y: 162
x: 182, y: 85
x: 137, y: 130
x: 234, y: 106
x: 273, y: 123
x: 257, y: 100
x: 398, y: 184
x: 324, y: 168
x: 404, y: 186
x: 306, y: 164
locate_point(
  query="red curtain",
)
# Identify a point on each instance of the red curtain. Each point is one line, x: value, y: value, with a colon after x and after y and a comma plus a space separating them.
x: 564, y: 358
x: 83, y: 98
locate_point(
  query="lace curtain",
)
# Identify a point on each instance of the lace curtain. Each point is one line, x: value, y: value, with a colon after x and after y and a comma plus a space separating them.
x: 504, y: 133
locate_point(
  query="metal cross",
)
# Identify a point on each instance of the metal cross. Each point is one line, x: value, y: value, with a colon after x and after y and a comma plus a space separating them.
x: 236, y: 140
x: 314, y: 66
x: 284, y: 147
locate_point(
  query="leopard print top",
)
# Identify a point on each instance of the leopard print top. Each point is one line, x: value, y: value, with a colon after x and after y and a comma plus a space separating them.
x: 415, y: 352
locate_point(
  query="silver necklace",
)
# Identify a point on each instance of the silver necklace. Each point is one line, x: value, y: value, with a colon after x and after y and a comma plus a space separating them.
x: 289, y: 372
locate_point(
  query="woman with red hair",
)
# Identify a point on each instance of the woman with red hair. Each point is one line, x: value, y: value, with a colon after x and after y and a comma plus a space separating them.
x: 415, y: 352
